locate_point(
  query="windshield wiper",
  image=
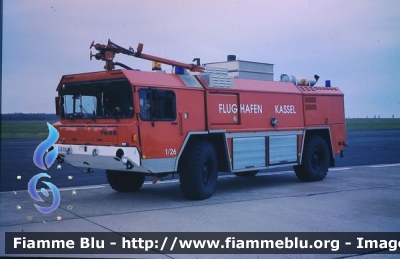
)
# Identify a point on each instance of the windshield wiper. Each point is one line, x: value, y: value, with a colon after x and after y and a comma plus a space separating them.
x: 93, y: 117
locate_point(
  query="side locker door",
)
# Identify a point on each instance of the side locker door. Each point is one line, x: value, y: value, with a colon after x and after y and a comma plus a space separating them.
x: 223, y: 110
x: 158, y: 122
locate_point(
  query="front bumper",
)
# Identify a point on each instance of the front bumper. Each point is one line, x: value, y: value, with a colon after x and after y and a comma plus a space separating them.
x: 102, y: 157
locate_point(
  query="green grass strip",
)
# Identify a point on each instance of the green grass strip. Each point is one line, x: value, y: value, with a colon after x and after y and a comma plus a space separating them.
x: 24, y: 129
x: 38, y: 129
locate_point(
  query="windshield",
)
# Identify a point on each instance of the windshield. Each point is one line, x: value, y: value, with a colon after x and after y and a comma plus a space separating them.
x: 99, y: 99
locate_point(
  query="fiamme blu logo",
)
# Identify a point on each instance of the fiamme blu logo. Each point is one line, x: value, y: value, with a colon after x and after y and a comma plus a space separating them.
x: 43, y: 157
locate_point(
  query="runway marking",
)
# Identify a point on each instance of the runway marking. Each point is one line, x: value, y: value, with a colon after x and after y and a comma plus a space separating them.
x: 276, y: 173
x: 222, y: 176
x: 82, y: 187
x: 162, y: 182
x: 340, y: 169
x: 385, y: 165
x: 77, y: 188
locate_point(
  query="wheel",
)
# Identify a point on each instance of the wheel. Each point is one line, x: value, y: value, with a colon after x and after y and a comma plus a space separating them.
x: 247, y: 173
x: 198, y: 171
x: 315, y: 161
x: 124, y: 181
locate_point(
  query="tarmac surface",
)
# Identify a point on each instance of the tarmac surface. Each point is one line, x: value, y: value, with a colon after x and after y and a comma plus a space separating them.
x: 365, y: 148
x: 352, y: 198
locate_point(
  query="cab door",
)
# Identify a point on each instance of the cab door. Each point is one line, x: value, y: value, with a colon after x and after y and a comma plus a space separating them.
x: 158, y: 127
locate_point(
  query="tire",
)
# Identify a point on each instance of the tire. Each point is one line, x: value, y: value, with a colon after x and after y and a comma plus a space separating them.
x: 315, y: 161
x: 247, y: 173
x: 122, y: 181
x: 198, y: 170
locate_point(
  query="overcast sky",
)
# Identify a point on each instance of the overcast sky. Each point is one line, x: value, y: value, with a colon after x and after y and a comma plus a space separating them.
x: 355, y: 44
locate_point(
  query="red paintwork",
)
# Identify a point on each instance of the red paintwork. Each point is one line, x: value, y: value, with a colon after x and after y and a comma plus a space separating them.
x: 248, y: 107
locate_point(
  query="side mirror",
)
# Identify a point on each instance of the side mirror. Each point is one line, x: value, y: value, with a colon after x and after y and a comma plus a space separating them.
x: 57, y: 99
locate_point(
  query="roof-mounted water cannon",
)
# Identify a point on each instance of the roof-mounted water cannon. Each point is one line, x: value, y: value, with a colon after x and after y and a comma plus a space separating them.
x: 107, y: 54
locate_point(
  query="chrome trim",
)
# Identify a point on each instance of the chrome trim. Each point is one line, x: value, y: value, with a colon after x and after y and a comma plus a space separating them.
x: 102, y: 157
x: 264, y: 167
x: 263, y: 133
x: 160, y: 165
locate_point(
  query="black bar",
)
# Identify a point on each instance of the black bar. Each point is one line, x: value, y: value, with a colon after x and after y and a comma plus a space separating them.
x: 206, y: 242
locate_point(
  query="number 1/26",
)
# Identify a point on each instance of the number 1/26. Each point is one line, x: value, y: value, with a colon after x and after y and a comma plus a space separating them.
x: 170, y: 151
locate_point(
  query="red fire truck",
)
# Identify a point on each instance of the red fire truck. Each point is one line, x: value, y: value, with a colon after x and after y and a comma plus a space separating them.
x: 196, y: 121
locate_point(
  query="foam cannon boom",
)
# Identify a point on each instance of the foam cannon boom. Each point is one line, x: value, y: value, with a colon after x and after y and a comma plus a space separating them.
x: 107, y: 54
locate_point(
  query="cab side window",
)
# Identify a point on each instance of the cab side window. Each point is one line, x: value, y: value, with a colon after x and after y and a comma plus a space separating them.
x: 156, y: 104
